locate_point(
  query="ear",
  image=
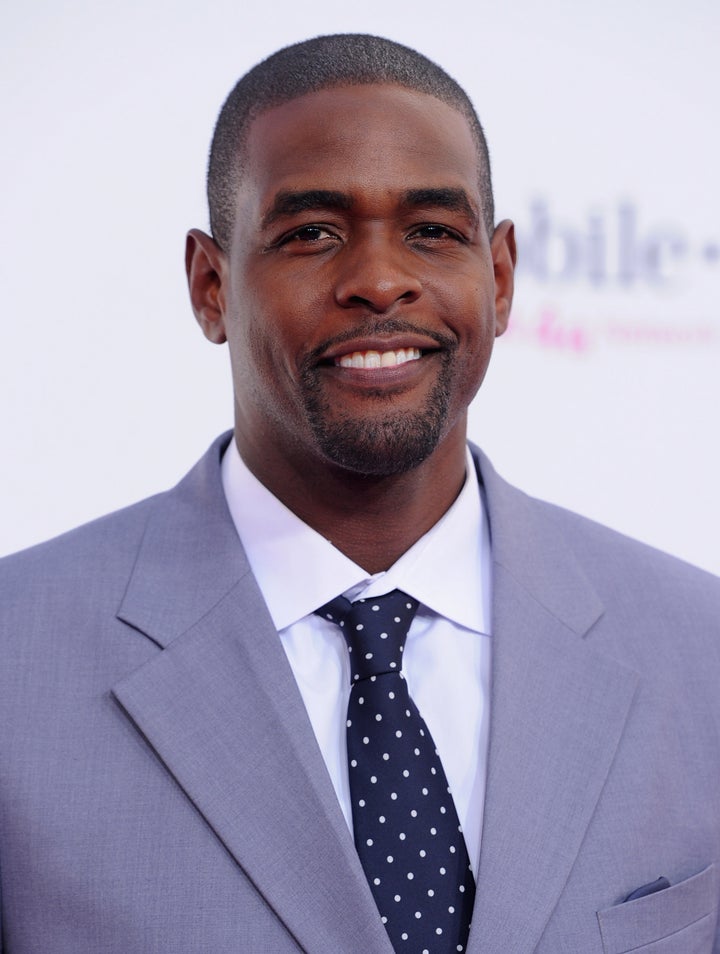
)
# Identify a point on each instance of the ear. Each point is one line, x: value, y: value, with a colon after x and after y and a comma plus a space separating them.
x: 504, y: 256
x: 206, y: 268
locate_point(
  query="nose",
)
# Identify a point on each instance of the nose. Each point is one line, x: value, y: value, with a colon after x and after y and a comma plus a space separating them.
x: 376, y: 274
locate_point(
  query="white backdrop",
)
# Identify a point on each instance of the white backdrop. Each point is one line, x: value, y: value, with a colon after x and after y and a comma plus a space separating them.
x: 602, y: 125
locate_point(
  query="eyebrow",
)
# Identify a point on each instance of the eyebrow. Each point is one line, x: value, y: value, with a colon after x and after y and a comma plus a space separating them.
x: 454, y: 200
x: 286, y: 204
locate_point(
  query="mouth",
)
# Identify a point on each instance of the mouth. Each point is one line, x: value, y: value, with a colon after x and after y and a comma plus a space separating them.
x: 372, y: 359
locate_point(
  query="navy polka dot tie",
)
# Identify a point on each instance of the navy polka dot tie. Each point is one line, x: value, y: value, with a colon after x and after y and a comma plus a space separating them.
x: 407, y: 831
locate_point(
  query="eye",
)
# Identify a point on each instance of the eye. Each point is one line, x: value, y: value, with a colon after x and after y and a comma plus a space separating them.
x: 307, y: 235
x: 432, y: 232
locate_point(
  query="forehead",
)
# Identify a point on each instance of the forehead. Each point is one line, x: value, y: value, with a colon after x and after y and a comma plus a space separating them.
x: 376, y: 137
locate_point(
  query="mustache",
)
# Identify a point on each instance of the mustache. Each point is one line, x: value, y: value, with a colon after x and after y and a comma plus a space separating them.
x: 381, y: 326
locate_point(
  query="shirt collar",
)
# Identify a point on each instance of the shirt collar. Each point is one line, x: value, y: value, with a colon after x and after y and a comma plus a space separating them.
x: 298, y: 570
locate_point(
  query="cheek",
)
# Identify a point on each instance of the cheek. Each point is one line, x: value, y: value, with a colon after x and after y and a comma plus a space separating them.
x: 282, y: 310
x: 469, y: 313
x: 266, y: 350
x: 473, y: 323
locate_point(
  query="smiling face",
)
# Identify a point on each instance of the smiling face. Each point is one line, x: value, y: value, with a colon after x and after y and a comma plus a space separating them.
x: 358, y: 295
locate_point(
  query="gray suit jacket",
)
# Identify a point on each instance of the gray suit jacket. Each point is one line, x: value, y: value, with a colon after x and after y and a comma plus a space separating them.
x: 161, y: 790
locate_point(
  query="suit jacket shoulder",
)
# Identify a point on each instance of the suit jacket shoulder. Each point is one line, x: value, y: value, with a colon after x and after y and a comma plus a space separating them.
x: 625, y: 573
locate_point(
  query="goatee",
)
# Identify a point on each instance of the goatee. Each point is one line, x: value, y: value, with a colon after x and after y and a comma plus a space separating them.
x: 378, y: 446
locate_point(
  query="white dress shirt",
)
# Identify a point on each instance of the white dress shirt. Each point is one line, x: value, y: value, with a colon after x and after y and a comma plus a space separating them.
x: 446, y: 661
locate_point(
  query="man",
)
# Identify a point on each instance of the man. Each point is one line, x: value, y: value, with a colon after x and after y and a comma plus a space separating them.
x: 173, y: 710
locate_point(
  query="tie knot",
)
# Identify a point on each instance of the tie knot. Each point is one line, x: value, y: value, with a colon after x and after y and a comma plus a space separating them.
x: 374, y: 629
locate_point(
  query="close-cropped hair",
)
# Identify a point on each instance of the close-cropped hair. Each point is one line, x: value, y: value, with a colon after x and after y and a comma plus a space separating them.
x: 347, y: 59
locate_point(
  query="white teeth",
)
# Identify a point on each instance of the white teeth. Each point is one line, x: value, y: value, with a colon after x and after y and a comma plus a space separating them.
x: 378, y: 359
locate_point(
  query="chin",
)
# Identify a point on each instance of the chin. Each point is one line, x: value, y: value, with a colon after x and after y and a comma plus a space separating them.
x: 381, y: 448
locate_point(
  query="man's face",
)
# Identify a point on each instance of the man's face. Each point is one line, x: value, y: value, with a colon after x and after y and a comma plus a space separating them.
x: 358, y: 293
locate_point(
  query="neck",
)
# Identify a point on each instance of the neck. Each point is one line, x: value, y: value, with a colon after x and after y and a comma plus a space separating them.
x: 372, y: 520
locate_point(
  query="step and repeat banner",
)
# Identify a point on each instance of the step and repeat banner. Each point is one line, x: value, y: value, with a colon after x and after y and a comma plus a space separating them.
x: 603, y: 396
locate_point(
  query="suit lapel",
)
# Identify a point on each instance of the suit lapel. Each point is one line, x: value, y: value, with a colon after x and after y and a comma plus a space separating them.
x: 220, y: 706
x: 558, y: 709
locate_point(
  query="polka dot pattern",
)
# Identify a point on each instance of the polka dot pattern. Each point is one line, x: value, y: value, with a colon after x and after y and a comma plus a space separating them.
x: 407, y: 831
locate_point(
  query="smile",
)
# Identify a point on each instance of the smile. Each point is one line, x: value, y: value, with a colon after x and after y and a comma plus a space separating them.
x: 377, y: 359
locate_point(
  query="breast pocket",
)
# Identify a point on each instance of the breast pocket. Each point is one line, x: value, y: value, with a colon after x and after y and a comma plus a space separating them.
x: 679, y: 920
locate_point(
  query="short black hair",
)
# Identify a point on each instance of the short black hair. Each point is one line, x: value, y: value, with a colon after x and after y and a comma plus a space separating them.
x: 345, y: 59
